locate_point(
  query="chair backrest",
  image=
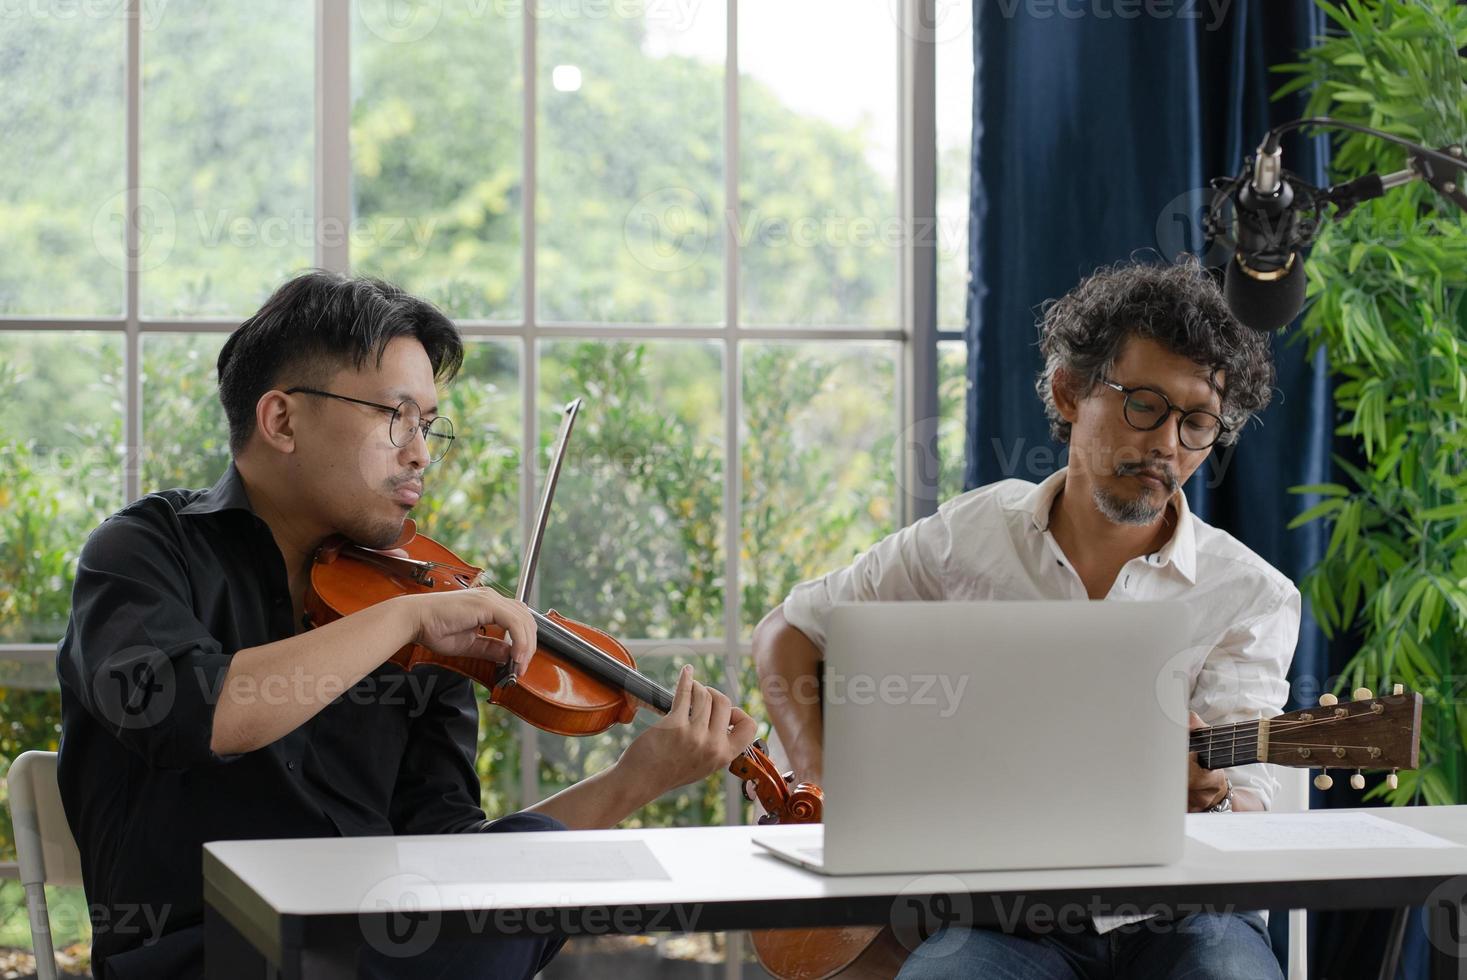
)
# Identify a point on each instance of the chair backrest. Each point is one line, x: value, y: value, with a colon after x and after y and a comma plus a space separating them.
x: 1293, y: 794
x: 44, y: 846
x: 1293, y: 797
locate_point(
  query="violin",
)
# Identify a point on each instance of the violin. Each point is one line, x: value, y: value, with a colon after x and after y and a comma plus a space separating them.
x: 580, y: 681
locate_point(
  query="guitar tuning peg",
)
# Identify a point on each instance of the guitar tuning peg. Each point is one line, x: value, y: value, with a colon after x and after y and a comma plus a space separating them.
x: 1362, y: 694
x: 1392, y: 780
x: 1399, y: 689
x: 1357, y: 781
x: 1328, y: 700
x: 1323, y: 781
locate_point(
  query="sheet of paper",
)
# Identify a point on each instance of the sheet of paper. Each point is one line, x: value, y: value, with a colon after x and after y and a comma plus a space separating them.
x: 1308, y: 831
x: 530, y: 861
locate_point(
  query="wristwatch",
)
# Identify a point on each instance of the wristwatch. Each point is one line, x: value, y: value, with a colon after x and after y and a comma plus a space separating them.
x: 1224, y: 805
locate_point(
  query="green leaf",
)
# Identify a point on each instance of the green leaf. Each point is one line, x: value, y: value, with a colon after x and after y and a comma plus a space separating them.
x: 1357, y: 252
x: 1445, y: 512
x: 1317, y: 511
x: 1321, y: 489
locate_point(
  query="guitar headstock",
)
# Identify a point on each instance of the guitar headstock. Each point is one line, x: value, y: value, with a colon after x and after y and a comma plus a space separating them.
x: 1367, y: 732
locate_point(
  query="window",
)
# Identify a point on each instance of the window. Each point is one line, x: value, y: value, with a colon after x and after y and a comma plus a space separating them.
x: 692, y: 215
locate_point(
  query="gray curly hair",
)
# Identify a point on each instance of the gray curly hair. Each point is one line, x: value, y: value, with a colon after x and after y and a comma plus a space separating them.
x: 1176, y: 304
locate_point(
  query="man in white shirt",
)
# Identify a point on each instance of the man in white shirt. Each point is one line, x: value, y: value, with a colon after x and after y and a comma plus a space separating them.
x: 1145, y: 372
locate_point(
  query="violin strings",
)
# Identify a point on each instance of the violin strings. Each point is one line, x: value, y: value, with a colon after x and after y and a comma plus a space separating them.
x: 590, y: 656
x: 611, y: 669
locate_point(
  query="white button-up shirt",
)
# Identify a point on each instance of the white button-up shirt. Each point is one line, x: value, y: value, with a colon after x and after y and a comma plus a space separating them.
x: 994, y: 543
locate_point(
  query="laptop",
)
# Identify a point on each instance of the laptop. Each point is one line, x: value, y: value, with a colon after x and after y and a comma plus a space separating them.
x: 986, y: 736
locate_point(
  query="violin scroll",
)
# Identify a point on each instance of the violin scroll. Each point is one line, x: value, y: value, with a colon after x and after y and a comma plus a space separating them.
x: 782, y: 801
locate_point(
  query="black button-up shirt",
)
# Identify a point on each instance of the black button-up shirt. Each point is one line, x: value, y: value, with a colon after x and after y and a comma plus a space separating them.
x: 167, y: 590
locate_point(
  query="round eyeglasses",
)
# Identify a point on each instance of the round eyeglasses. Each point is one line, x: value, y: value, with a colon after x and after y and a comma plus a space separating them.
x: 1148, y: 409
x: 407, y: 418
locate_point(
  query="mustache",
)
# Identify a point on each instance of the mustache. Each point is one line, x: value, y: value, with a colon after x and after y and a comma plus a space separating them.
x: 410, y: 483
x: 1162, y: 473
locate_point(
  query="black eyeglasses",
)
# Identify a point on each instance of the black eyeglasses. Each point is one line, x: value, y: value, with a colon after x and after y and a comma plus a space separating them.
x: 1148, y: 409
x: 407, y: 418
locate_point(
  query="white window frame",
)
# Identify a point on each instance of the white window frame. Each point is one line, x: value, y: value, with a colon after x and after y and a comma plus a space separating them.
x: 917, y: 332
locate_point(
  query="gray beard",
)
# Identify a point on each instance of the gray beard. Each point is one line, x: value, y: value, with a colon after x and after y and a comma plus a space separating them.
x: 1136, y: 512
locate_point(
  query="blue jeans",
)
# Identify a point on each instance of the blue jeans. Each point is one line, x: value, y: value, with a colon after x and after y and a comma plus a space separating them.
x: 1200, y: 946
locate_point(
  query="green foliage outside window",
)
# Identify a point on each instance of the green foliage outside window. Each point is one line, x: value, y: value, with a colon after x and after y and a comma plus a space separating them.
x: 637, y: 542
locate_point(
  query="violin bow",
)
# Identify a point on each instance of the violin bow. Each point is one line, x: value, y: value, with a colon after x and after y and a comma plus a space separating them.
x: 783, y: 803
x: 552, y: 476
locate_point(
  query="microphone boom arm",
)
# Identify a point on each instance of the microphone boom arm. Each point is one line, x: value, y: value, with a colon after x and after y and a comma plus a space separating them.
x: 1441, y: 169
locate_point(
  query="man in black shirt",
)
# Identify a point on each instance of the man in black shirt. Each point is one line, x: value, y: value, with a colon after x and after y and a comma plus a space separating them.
x: 195, y: 704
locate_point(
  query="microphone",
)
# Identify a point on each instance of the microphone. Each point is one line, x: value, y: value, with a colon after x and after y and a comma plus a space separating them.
x: 1265, y: 283
x: 1276, y: 216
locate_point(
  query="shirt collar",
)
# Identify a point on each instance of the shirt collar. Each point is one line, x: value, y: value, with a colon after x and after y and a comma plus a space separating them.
x: 228, y: 493
x: 1180, y: 550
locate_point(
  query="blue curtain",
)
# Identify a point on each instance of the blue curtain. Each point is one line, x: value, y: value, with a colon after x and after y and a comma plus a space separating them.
x: 1094, y: 136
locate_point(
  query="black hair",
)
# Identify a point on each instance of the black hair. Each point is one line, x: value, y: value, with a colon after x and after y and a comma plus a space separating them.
x: 317, y: 324
x: 1176, y: 304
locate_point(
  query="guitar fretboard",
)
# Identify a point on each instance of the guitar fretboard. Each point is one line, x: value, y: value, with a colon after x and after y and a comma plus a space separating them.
x: 1224, y: 746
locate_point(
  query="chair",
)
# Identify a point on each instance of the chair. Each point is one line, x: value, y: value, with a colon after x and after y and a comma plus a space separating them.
x: 44, y: 847
x: 1292, y: 797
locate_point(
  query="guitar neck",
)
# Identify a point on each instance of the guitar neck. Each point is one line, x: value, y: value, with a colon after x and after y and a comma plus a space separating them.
x: 1224, y: 746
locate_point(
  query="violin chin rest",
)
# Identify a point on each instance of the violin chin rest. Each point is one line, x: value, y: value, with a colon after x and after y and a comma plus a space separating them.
x: 409, y: 531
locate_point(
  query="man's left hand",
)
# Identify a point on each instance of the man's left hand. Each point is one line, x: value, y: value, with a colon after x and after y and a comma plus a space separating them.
x: 1205, y: 787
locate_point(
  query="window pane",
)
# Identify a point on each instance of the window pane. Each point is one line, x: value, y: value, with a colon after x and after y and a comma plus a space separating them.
x: 227, y: 136
x: 631, y: 162
x: 635, y: 541
x: 952, y: 415
x: 817, y: 225
x: 436, y: 139
x: 60, y: 429
x: 185, y: 436
x: 61, y: 166
x: 954, y: 37
x: 820, y: 424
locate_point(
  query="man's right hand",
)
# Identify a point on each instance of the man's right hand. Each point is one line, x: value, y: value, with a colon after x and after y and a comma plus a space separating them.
x: 448, y: 623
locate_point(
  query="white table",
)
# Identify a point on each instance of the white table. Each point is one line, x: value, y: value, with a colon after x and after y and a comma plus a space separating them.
x: 298, y: 908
